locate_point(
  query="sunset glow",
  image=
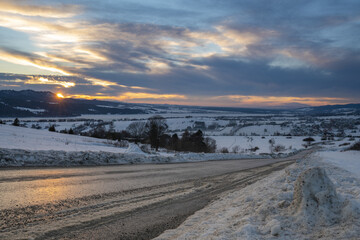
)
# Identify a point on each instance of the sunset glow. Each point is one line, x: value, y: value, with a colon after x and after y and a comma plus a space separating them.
x: 59, y: 95
x: 199, y: 53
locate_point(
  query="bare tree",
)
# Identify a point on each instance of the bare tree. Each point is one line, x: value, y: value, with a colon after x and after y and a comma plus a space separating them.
x: 137, y: 130
x: 156, y: 126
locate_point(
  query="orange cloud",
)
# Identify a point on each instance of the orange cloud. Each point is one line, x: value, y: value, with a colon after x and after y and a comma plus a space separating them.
x: 130, y: 96
x: 27, y: 60
x: 227, y: 100
x: 43, y: 80
x: 268, y: 101
x: 58, y: 11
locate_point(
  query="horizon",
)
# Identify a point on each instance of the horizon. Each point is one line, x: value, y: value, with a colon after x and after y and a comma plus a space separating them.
x: 239, y: 54
x: 290, y: 106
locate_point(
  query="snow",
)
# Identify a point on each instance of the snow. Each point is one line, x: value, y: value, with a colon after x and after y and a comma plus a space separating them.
x: 36, y: 111
x: 31, y: 139
x: 134, y: 149
x: 265, y: 130
x: 21, y: 146
x: 245, y: 143
x: 348, y: 160
x: 312, y: 199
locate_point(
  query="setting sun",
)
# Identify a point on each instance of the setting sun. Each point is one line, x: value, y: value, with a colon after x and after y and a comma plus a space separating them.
x: 59, y: 95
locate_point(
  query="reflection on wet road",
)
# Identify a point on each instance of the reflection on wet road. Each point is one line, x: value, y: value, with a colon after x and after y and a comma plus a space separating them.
x: 40, y: 186
x: 48, y: 202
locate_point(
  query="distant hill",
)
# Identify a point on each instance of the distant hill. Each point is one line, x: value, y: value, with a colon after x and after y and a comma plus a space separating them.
x: 332, y: 109
x: 29, y: 103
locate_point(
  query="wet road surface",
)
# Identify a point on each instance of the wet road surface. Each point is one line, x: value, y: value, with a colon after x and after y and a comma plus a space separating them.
x: 117, y: 202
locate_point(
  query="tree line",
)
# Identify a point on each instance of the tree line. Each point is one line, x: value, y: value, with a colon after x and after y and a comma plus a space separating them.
x: 154, y: 132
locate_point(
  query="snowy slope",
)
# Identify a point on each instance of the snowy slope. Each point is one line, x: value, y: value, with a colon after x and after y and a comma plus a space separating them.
x: 31, y: 139
x: 311, y: 199
x: 30, y: 147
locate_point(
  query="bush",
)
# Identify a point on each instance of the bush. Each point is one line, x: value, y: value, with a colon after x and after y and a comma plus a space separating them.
x: 279, y: 148
x: 224, y: 150
x: 16, y: 122
x: 254, y: 149
x: 52, y: 128
x: 355, y: 147
x: 308, y: 140
x: 236, y: 149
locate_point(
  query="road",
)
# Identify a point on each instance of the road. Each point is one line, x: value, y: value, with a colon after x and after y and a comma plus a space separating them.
x: 118, y: 202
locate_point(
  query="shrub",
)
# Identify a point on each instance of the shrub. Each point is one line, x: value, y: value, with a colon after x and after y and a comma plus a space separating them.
x: 254, y: 149
x: 236, y: 149
x: 279, y: 148
x: 355, y: 147
x: 16, y: 122
x: 224, y: 150
x: 52, y: 128
x: 308, y: 140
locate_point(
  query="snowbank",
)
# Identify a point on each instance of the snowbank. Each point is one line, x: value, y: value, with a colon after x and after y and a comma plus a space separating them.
x: 311, y: 199
x: 349, y: 160
x: 132, y: 155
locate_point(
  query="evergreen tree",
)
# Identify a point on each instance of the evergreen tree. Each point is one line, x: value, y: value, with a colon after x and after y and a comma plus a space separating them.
x: 52, y: 128
x: 16, y: 122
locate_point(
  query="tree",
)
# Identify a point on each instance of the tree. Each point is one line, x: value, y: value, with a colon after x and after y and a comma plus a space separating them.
x: 137, y: 130
x: 197, y: 142
x: 210, y: 144
x: 272, y: 143
x: 308, y: 140
x: 52, y: 128
x: 156, y: 126
x: 71, y: 131
x: 16, y: 122
x: 175, y: 142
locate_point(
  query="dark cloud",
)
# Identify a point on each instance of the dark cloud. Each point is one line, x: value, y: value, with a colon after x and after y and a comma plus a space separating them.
x: 207, y: 48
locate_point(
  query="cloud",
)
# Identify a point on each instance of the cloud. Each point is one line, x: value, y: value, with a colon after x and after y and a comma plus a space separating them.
x: 232, y: 48
x: 133, y: 97
x: 276, y: 101
x: 27, y: 59
x: 51, y: 11
x: 48, y: 81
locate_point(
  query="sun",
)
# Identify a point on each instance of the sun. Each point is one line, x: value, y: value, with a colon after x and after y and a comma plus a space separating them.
x: 59, y: 95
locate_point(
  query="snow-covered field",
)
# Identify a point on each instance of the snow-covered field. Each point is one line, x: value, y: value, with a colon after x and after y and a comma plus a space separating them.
x: 21, y: 146
x: 245, y: 143
x: 316, y: 198
x: 31, y: 139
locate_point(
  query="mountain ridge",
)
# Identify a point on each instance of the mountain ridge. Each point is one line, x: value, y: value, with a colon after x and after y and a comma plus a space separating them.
x: 30, y: 103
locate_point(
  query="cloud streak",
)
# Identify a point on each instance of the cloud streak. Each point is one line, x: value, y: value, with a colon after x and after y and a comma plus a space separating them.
x: 238, y: 48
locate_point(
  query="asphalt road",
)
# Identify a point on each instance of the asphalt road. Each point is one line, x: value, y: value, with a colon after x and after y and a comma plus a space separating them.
x: 117, y: 202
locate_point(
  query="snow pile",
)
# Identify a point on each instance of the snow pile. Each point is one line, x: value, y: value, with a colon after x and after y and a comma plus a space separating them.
x: 134, y: 149
x: 304, y: 201
x: 194, y: 157
x: 132, y: 155
x: 349, y: 160
x: 315, y: 198
x: 19, y: 157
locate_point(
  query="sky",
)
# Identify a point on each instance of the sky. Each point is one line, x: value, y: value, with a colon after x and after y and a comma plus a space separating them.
x: 238, y: 53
